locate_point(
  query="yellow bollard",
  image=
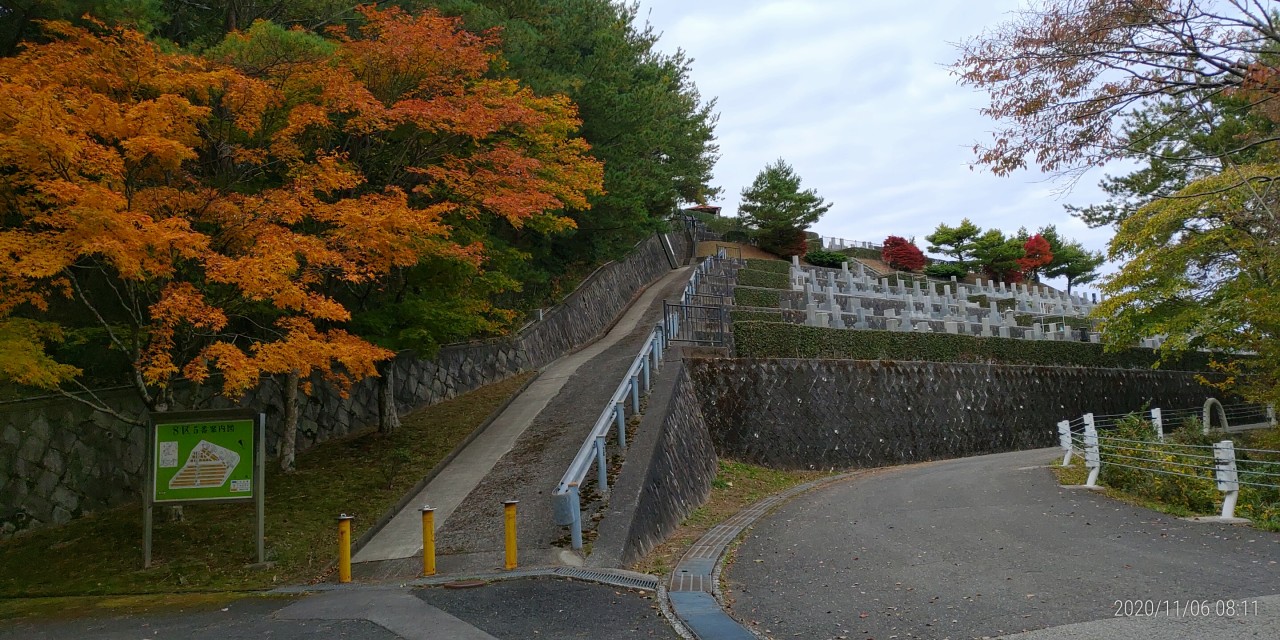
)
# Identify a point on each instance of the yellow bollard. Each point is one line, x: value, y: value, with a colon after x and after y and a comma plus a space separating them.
x: 509, y: 507
x: 428, y: 541
x: 344, y: 548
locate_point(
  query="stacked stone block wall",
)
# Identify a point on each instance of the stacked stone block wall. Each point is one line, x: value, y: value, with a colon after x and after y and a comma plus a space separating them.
x: 821, y: 414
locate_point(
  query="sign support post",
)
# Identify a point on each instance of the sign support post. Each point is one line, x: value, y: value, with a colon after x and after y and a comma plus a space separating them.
x: 260, y: 483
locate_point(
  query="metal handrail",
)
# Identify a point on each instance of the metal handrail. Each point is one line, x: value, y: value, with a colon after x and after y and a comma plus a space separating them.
x: 566, y: 499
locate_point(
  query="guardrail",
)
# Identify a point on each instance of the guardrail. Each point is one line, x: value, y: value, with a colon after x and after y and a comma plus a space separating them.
x: 567, y: 498
x: 1087, y: 437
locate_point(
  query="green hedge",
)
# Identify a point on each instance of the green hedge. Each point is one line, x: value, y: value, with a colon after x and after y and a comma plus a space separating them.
x: 772, y: 266
x: 828, y: 259
x: 780, y: 340
x: 767, y: 279
x: 757, y: 298
x: 945, y: 271
x: 742, y: 315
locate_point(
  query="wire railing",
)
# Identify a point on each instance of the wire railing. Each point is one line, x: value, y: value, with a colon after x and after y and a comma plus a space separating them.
x: 1230, y: 418
x: 1091, y: 438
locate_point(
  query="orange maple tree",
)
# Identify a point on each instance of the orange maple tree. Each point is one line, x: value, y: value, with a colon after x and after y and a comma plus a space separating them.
x: 209, y: 212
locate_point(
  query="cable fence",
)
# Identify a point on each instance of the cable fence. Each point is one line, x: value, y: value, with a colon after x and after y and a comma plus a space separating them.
x: 1191, y: 470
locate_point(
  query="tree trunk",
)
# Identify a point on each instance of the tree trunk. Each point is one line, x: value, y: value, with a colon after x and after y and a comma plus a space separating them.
x: 388, y: 418
x: 289, y: 439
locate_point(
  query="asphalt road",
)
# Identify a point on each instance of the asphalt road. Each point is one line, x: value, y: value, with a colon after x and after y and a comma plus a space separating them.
x: 554, y: 608
x: 990, y: 546
x: 503, y: 610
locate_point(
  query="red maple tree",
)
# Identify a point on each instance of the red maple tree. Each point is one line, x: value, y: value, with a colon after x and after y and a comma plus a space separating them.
x: 1036, y: 255
x: 902, y: 254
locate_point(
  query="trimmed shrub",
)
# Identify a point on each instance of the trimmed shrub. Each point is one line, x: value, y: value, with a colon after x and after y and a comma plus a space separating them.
x: 783, y: 242
x: 775, y: 266
x: 781, y: 340
x: 945, y: 270
x: 829, y: 259
x: 767, y: 279
x: 767, y: 298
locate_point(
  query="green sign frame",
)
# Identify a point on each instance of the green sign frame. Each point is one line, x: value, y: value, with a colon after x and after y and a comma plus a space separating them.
x: 201, y: 457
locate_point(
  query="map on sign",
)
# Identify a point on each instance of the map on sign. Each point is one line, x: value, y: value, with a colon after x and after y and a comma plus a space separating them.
x: 208, y: 466
x: 203, y: 459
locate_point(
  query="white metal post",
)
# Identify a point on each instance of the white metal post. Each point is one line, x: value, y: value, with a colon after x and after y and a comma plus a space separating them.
x: 1064, y: 439
x: 635, y: 395
x: 575, y: 528
x: 602, y: 467
x: 1224, y: 469
x: 618, y: 415
x: 1092, y: 457
x: 1157, y: 420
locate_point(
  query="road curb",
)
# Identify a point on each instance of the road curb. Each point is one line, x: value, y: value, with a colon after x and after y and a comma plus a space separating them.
x: 693, y: 592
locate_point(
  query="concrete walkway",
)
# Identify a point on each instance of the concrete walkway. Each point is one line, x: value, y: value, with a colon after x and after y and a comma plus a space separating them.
x: 402, y: 536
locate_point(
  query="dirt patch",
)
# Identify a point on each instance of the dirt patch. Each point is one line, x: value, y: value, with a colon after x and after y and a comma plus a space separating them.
x: 737, y: 485
x: 710, y: 247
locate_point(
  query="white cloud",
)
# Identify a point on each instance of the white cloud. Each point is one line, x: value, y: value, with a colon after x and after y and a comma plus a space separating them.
x: 856, y: 96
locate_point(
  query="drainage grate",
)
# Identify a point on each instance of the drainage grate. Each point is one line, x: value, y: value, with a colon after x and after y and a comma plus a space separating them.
x: 619, y: 579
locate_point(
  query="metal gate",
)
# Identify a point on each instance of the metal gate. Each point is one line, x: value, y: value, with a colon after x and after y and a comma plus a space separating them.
x: 698, y: 324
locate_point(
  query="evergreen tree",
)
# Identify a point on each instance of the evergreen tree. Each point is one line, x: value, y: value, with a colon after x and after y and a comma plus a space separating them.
x: 776, y: 207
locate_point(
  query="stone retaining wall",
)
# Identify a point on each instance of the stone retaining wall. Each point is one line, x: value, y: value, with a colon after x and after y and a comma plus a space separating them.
x: 811, y: 414
x: 60, y: 459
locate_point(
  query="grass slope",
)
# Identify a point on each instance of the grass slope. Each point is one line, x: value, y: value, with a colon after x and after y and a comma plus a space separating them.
x: 210, y: 550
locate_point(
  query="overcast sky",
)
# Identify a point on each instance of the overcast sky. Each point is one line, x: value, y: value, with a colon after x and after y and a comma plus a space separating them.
x: 856, y: 96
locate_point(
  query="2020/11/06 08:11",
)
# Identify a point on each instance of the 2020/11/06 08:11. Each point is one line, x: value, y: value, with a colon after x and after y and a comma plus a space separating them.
x: 1185, y: 608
